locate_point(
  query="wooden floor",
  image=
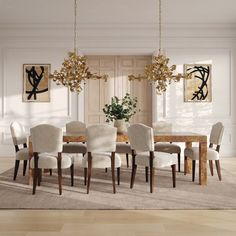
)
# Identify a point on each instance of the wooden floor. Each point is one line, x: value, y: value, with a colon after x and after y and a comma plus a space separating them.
x: 118, y: 222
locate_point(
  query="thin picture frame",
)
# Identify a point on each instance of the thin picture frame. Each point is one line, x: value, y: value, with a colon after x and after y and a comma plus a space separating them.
x: 36, y: 83
x: 199, y: 87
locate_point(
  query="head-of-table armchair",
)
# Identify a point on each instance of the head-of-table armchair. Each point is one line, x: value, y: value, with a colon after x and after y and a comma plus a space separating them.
x: 212, y: 152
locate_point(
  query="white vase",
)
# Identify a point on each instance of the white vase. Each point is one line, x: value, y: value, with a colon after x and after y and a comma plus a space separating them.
x: 121, y: 126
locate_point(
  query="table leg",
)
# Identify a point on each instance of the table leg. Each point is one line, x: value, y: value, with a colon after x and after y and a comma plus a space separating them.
x: 189, y: 162
x: 203, y: 163
x: 31, y: 174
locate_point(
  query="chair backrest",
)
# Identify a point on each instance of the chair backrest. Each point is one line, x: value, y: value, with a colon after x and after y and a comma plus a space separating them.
x: 141, y: 138
x: 18, y: 133
x: 101, y: 138
x: 216, y: 133
x: 46, y: 138
x: 76, y: 127
x: 162, y: 126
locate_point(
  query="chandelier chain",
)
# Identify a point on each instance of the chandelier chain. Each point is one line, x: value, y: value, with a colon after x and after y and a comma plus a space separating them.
x: 75, y: 26
x: 160, y: 25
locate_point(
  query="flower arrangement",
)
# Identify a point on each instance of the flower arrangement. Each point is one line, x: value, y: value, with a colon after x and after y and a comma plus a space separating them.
x: 121, y: 109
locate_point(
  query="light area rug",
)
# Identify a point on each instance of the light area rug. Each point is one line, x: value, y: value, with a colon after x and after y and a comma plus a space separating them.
x: 187, y: 195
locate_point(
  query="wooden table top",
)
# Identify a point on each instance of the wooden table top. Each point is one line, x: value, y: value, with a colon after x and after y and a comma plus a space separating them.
x: 158, y: 137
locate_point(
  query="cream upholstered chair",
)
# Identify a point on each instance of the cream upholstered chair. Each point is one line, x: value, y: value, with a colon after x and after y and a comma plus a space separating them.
x: 101, y: 147
x: 47, y: 150
x: 124, y: 148
x: 212, y: 154
x: 142, y: 145
x: 163, y: 126
x: 19, y: 139
x: 75, y: 127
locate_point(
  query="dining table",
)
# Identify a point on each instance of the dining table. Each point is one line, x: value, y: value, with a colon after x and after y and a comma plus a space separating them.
x: 183, y: 137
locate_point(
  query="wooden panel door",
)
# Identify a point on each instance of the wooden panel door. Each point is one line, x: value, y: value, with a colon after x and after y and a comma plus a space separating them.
x: 98, y: 93
x: 140, y: 89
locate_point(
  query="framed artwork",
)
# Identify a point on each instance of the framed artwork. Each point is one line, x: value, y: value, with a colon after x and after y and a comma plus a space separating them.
x: 198, y: 89
x: 36, y: 83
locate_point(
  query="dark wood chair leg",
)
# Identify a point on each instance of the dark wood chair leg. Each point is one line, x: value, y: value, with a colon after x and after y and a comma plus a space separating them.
x: 151, y: 172
x: 17, y: 163
x: 185, y: 165
x: 39, y: 176
x: 127, y: 160
x: 106, y: 170
x: 36, y: 170
x: 193, y: 169
x: 113, y: 171
x: 59, y: 173
x: 85, y: 176
x: 89, y: 170
x: 179, y: 160
x: 134, y: 168
x: 218, y: 169
x: 72, y: 174
x: 24, y: 167
x: 173, y: 167
x: 35, y: 180
x: 118, y: 175
x: 146, y: 173
x: 50, y: 171
x: 211, y: 167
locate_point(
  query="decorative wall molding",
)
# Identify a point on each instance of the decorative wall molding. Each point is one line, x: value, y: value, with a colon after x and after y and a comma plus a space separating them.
x: 116, y: 31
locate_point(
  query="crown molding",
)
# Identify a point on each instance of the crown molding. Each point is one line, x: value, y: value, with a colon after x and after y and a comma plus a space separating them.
x: 110, y: 31
x: 114, y: 25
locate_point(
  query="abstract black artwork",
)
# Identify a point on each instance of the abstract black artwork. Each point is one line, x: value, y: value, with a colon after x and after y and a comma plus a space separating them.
x: 198, y: 89
x: 36, y: 82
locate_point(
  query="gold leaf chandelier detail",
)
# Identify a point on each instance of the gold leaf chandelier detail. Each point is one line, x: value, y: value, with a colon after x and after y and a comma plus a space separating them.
x: 74, y: 69
x: 159, y: 73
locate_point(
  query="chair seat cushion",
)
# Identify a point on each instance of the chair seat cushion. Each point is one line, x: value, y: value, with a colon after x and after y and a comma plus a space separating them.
x: 160, y: 160
x: 101, y: 160
x: 167, y: 147
x: 123, y: 148
x: 22, y: 154
x: 74, y: 148
x: 49, y: 161
x: 193, y: 153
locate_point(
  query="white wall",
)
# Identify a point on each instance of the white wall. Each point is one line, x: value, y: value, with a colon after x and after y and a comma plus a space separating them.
x: 48, y: 44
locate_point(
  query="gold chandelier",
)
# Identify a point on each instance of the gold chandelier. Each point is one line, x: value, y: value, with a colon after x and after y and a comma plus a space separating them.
x: 74, y: 69
x: 159, y: 72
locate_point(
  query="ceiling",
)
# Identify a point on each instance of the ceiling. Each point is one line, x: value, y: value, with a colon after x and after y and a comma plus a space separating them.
x: 117, y: 11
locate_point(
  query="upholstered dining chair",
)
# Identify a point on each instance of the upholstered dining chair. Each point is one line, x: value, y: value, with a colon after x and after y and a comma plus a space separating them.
x: 163, y: 126
x: 75, y: 127
x: 142, y: 144
x: 212, y: 152
x: 124, y: 148
x: 19, y: 138
x: 47, y: 153
x: 101, y: 147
